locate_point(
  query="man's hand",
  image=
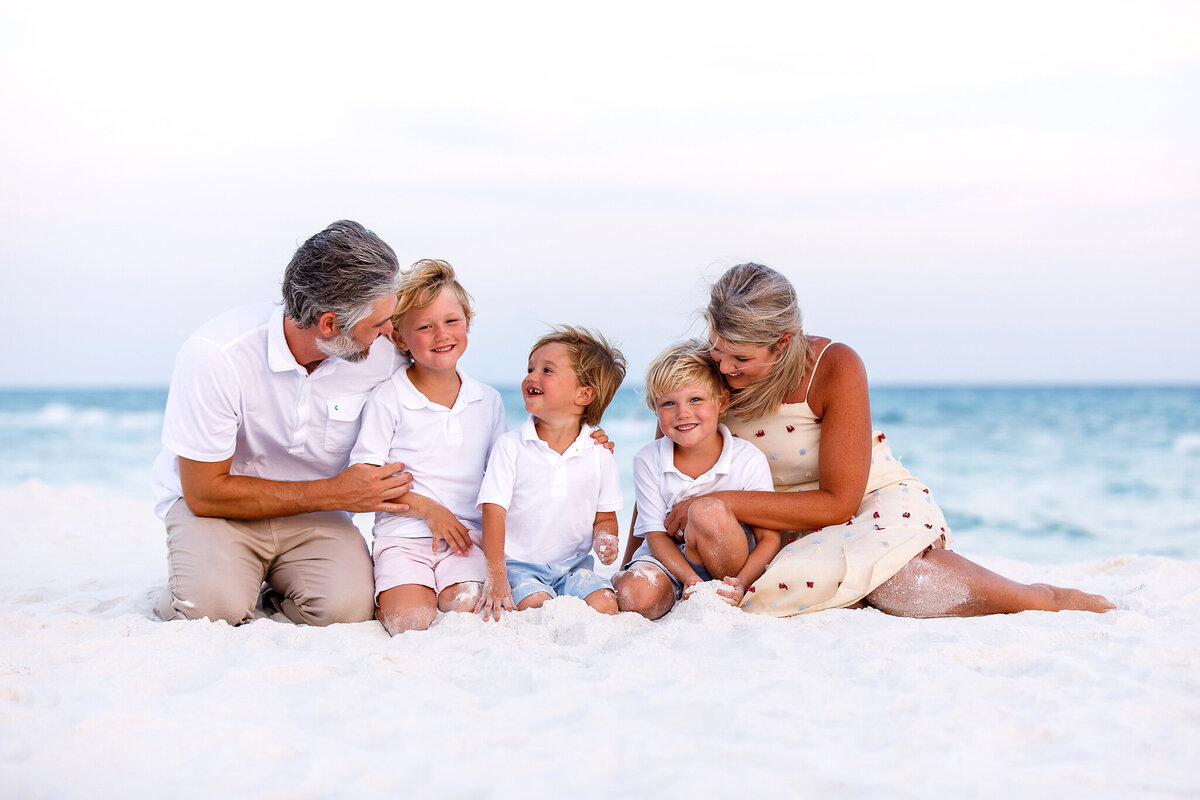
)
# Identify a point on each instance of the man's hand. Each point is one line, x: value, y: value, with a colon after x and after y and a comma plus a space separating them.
x: 364, y: 487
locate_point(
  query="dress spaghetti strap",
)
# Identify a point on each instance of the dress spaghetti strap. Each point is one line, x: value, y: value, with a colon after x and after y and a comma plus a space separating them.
x: 812, y: 375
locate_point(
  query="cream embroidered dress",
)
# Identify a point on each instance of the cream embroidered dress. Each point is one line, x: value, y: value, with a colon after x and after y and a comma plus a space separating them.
x: 836, y: 566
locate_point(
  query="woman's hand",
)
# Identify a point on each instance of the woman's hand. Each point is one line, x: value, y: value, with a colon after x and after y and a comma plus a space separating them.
x: 677, y: 518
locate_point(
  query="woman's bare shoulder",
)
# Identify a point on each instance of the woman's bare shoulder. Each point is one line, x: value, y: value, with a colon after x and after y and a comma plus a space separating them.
x: 840, y: 373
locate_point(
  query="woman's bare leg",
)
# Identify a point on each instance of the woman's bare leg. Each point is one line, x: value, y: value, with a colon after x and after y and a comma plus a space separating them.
x: 941, y: 583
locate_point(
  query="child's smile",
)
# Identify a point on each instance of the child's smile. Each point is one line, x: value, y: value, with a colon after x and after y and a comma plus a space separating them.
x: 688, y: 415
x: 435, y: 335
x: 550, y: 387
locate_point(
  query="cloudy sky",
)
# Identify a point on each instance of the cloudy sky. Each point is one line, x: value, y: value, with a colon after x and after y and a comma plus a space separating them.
x: 965, y: 192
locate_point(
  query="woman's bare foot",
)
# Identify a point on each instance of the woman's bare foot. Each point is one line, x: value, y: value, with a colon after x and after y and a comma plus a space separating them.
x: 1074, y: 600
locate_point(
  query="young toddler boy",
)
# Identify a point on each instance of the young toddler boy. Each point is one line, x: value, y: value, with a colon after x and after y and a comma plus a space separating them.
x: 550, y: 493
x: 441, y: 425
x: 695, y: 457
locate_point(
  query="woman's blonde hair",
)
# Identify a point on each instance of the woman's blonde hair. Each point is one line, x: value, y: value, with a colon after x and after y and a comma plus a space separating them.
x: 754, y: 306
x: 682, y: 364
x: 421, y: 283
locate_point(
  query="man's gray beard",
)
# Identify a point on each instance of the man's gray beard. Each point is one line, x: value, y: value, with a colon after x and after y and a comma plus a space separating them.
x: 344, y: 347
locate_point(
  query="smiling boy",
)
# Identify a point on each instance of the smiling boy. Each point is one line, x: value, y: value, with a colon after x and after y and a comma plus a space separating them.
x: 550, y: 495
x: 696, y: 456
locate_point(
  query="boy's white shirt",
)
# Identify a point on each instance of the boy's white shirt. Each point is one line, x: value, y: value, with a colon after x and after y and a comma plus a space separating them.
x: 659, y: 485
x: 550, y: 500
x: 445, y: 449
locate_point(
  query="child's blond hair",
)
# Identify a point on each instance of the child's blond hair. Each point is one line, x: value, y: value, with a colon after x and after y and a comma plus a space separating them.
x: 421, y: 283
x: 683, y: 364
x: 597, y: 365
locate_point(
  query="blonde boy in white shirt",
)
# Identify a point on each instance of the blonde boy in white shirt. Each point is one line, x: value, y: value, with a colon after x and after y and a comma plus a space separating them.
x: 443, y: 424
x: 550, y: 495
x: 696, y: 456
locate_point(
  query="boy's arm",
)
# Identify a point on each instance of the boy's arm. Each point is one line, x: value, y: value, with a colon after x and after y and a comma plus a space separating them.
x: 497, y: 594
x: 441, y: 521
x: 663, y: 548
x: 604, y: 536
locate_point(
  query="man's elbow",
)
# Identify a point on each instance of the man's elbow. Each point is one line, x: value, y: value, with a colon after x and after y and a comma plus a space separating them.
x: 201, y: 506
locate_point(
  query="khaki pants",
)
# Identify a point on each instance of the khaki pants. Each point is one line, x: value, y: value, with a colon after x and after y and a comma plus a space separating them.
x: 318, y: 562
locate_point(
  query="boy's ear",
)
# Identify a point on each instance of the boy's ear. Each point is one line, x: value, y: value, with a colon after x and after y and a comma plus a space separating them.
x: 327, y: 325
x: 398, y: 341
x: 724, y: 402
x: 585, y: 396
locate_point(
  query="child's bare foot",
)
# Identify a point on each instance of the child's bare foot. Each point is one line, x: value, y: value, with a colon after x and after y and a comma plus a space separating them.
x: 1075, y: 600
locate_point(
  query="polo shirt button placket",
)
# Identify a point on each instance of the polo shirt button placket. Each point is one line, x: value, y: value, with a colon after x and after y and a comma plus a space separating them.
x: 303, y: 413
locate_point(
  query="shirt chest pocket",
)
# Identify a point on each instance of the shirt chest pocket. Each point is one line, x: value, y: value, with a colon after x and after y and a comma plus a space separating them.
x: 344, y: 415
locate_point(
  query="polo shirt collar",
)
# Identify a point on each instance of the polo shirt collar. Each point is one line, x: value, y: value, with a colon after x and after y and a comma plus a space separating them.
x: 279, y: 355
x: 471, y: 391
x: 666, y: 454
x: 584, y: 439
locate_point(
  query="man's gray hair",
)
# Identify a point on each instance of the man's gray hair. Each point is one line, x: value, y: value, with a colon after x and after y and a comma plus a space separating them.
x: 345, y: 269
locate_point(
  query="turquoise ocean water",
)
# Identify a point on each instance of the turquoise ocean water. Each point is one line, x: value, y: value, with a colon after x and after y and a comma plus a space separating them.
x: 1040, y: 474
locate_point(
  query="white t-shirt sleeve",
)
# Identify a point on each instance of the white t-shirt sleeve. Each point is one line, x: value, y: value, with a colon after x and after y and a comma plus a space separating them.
x: 499, y: 421
x: 501, y: 474
x: 610, y: 498
x: 203, y: 410
x: 379, y: 418
x: 647, y: 481
x: 758, y: 472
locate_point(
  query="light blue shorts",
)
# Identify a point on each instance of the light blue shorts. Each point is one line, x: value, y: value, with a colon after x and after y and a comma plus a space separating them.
x: 570, y: 578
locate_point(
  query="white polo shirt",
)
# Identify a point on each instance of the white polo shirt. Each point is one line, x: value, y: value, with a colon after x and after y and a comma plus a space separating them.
x: 551, y: 500
x: 238, y: 391
x: 445, y: 449
x: 659, y: 485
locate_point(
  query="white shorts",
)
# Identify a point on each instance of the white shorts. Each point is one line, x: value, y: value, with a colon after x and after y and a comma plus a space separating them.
x: 400, y: 560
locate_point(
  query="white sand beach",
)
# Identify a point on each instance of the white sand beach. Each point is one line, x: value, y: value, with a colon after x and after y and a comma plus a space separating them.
x: 100, y: 699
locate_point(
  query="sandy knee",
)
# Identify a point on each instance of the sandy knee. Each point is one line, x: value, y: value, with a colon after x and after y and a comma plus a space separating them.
x: 397, y: 621
x: 460, y: 597
x: 644, y: 589
x: 708, y: 516
x: 603, y: 600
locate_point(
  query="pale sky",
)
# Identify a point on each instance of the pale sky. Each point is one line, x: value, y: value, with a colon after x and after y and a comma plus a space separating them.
x: 964, y: 192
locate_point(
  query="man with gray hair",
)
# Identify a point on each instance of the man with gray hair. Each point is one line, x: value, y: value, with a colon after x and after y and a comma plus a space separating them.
x: 263, y: 410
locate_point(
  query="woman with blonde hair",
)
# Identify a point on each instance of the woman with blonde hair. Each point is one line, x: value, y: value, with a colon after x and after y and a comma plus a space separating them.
x: 859, y: 528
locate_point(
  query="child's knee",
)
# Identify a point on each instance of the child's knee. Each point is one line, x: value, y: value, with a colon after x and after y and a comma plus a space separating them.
x: 708, y: 517
x: 400, y: 620
x: 461, y: 597
x: 603, y: 600
x: 644, y: 589
x: 534, y: 600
